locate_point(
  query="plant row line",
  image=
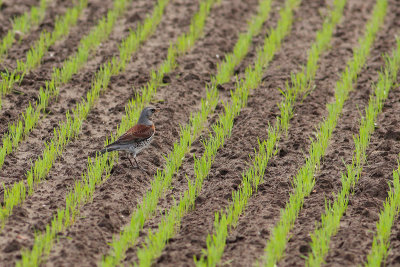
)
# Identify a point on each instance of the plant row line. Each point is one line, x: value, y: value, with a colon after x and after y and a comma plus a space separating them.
x: 330, y: 220
x: 304, y: 180
x: 300, y: 84
x: 36, y: 52
x: 155, y: 242
x: 16, y: 194
x: 22, y: 26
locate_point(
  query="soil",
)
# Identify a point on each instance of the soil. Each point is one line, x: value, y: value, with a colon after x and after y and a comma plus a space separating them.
x: 87, y: 239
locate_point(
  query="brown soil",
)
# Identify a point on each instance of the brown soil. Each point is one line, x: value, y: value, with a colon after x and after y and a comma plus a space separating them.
x: 86, y: 241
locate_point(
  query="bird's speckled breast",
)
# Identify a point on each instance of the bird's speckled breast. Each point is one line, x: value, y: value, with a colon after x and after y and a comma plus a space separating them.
x: 137, y: 147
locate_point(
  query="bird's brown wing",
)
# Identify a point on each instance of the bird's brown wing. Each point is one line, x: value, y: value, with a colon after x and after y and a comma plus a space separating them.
x: 137, y: 133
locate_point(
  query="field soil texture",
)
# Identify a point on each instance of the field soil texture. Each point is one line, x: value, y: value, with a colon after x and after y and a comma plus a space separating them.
x: 87, y: 240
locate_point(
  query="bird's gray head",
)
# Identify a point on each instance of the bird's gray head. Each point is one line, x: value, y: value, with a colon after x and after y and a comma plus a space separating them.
x: 145, y: 116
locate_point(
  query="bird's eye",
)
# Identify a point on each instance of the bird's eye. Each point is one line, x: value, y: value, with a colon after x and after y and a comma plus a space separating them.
x: 153, y: 110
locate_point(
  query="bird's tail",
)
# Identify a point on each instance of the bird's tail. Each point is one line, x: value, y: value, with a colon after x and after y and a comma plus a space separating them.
x: 109, y: 148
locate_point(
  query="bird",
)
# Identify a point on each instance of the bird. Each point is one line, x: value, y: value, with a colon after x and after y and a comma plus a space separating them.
x: 136, y: 138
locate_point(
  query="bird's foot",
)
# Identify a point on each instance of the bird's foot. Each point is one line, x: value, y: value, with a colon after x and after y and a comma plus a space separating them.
x: 139, y: 168
x: 143, y: 170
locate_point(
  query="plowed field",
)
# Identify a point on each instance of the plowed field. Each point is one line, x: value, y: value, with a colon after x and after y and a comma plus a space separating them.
x: 85, y: 242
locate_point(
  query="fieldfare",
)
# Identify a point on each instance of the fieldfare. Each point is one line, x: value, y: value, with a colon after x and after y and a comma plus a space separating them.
x: 136, y: 138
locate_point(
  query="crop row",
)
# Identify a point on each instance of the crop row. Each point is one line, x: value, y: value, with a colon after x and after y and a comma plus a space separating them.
x: 35, y: 54
x: 22, y: 25
x: 304, y: 180
x: 16, y: 194
x: 300, y: 84
x: 330, y: 220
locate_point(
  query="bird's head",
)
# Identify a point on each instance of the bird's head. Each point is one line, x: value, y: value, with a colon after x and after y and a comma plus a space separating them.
x: 146, y: 115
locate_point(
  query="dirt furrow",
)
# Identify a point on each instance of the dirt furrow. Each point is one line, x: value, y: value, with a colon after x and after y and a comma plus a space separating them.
x: 17, y: 163
x: 15, y: 102
x: 232, y: 159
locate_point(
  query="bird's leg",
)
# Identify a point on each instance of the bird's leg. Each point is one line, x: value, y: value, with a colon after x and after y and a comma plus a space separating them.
x: 137, y: 165
x: 143, y: 170
x: 131, y: 161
